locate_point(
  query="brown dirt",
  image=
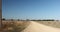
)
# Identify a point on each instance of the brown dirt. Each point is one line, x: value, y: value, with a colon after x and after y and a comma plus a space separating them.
x: 37, y: 27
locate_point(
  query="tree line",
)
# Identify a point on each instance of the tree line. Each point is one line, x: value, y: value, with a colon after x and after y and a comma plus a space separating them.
x: 32, y: 20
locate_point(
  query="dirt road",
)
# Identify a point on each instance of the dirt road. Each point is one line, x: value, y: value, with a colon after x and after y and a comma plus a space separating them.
x: 37, y: 27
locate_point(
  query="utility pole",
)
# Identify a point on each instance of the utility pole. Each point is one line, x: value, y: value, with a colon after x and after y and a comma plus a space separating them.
x: 0, y: 14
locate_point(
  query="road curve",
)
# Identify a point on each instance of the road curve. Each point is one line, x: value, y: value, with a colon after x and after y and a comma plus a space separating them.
x: 37, y: 27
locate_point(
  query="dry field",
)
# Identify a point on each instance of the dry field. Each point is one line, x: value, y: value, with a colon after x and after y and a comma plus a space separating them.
x: 37, y: 27
x: 14, y: 26
x: 55, y: 24
x: 18, y: 26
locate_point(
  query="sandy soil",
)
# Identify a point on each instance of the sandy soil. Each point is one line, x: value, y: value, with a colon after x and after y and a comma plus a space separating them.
x: 37, y: 27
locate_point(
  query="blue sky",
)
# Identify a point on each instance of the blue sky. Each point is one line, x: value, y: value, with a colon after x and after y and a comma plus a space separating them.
x: 31, y: 9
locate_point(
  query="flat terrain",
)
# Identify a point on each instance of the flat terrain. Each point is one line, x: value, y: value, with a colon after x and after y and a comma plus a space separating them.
x: 55, y: 24
x: 36, y: 27
x: 31, y: 26
x: 14, y: 26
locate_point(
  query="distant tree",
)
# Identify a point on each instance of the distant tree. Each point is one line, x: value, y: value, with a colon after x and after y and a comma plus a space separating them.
x: 33, y: 20
x: 3, y: 19
x: 27, y: 19
x: 18, y: 19
x: 11, y: 19
x: 48, y: 20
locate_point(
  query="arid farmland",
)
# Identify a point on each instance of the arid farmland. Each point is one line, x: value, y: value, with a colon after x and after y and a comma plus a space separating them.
x: 17, y: 26
x: 14, y: 26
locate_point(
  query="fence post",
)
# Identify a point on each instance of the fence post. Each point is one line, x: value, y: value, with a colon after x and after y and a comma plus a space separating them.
x: 0, y: 13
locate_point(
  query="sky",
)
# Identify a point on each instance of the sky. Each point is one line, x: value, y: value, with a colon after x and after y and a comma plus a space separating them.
x: 31, y: 9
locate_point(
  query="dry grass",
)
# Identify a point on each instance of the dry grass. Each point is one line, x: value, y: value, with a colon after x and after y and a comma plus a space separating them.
x: 14, y: 26
x: 18, y: 26
x: 50, y: 23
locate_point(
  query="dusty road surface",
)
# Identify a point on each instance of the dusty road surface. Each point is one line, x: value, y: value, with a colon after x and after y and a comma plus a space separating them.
x: 37, y: 27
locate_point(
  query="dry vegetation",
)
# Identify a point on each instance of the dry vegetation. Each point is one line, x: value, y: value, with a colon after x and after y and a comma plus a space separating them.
x: 50, y: 23
x: 14, y: 26
x: 18, y: 26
